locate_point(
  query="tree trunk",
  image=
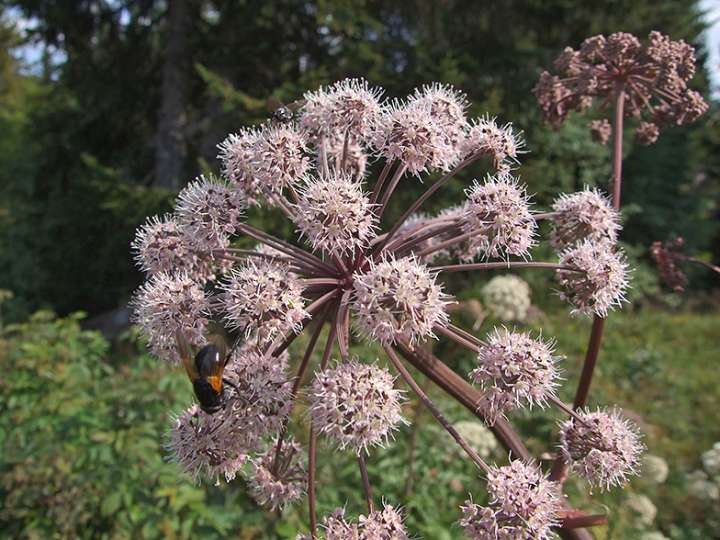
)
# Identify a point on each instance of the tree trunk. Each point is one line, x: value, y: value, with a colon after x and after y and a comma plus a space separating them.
x: 170, y: 147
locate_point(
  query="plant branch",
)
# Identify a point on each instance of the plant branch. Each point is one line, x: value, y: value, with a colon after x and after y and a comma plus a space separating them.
x: 496, y: 265
x: 405, y: 374
x: 366, y: 482
x: 425, y: 196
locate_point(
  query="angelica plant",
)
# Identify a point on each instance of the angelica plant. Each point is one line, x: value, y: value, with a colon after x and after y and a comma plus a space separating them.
x: 332, y: 171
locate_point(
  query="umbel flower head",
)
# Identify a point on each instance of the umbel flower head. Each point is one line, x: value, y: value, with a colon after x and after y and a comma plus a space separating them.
x: 653, y: 79
x: 385, y: 524
x: 410, y: 133
x: 279, y: 159
x: 600, y: 281
x: 344, y: 271
x: 258, y: 402
x: 523, y: 504
x: 201, y: 445
x: 514, y: 369
x: 210, y: 211
x: 485, y: 136
x: 237, y: 153
x: 335, y: 215
x: 355, y: 404
x: 262, y: 299
x: 276, y: 480
x: 604, y: 448
x: 170, y: 303
x: 399, y: 299
x: 499, y: 214
x: 583, y: 215
x: 507, y: 297
x: 350, y: 106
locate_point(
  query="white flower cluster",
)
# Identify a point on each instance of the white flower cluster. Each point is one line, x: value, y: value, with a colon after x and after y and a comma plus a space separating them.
x: 498, y: 212
x: 478, y: 436
x: 507, y: 297
x: 335, y: 215
x: 704, y: 483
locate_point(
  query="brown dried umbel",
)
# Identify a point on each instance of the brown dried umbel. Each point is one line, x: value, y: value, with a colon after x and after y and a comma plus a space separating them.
x: 653, y: 77
x: 668, y: 255
x: 665, y: 256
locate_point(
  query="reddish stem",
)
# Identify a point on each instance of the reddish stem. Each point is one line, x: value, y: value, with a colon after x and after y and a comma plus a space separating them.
x: 425, y: 196
x: 596, y: 334
x: 366, y: 482
x: 405, y: 374
x: 497, y: 265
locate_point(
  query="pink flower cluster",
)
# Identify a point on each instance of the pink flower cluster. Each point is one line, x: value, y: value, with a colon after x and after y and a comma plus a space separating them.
x: 524, y: 504
x: 514, y: 369
x: 356, y: 405
x: 345, y: 271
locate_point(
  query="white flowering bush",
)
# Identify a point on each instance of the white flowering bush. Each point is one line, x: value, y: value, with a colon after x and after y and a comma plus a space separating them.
x: 704, y: 484
x: 507, y: 297
x: 332, y: 170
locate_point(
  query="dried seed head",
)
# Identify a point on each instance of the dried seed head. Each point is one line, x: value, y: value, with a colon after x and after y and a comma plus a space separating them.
x: 600, y: 131
x: 647, y: 133
x: 498, y: 212
x: 355, y: 404
x: 654, y: 79
x: 335, y: 215
x: 604, y: 448
x: 263, y: 299
x: 600, y: 281
x: 170, y: 303
x: 515, y: 370
x: 398, y: 299
x: 276, y: 482
x: 210, y: 211
x: 583, y: 215
x: 666, y: 256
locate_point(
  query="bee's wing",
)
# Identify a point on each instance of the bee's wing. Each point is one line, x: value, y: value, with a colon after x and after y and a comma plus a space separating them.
x: 222, y: 349
x: 185, y: 352
x: 297, y: 105
x: 273, y: 104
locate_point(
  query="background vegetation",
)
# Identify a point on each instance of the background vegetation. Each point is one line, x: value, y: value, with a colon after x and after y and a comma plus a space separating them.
x: 125, y: 103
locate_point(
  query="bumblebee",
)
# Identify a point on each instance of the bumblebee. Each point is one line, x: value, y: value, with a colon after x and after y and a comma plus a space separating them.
x: 205, y: 370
